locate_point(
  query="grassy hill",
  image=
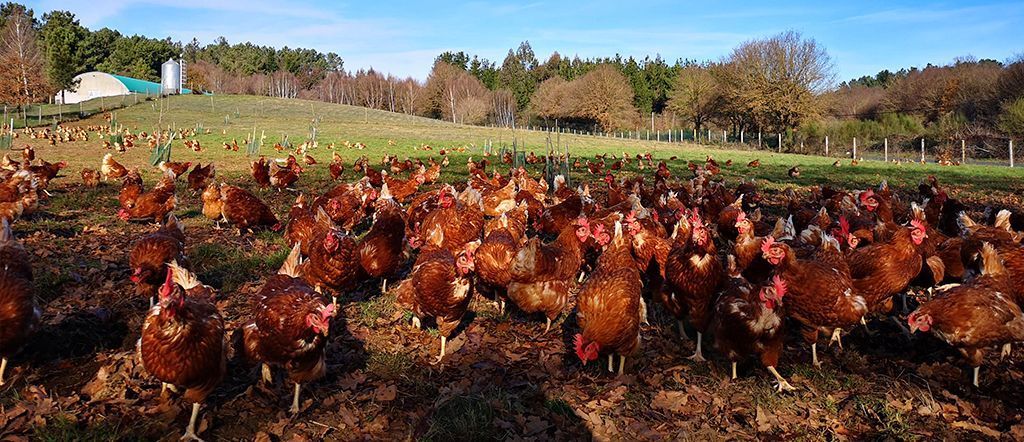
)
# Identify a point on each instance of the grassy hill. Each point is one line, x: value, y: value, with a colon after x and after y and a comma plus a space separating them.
x: 230, y: 118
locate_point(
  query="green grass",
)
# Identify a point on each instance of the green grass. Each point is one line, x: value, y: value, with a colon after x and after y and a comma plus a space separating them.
x: 464, y: 418
x: 228, y: 266
x: 62, y: 428
x: 230, y: 118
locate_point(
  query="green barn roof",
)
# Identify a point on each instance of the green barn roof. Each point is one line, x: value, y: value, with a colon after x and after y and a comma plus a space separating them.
x: 137, y: 86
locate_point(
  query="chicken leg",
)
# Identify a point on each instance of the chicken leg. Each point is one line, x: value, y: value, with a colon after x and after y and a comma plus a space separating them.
x: 783, y: 385
x: 444, y: 341
x: 547, y: 326
x: 682, y: 330
x: 734, y: 370
x: 611, y: 363
x: 837, y: 337
x: 295, y: 399
x: 698, y: 356
x: 190, y: 431
x: 1007, y: 349
x: 976, y: 370
x: 3, y: 368
x: 416, y: 322
x: 622, y: 364
x: 268, y: 378
x: 867, y: 330
x: 814, y: 355
x: 384, y: 286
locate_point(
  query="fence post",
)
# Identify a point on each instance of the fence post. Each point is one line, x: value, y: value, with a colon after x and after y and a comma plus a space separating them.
x: 780, y: 142
x: 963, y: 151
x: 922, y: 149
x: 709, y: 135
x: 1011, y: 152
x: 725, y: 139
x: 758, y: 139
x: 741, y: 136
x: 826, y: 145
x: 855, y: 148
x: 658, y: 134
x: 885, y: 142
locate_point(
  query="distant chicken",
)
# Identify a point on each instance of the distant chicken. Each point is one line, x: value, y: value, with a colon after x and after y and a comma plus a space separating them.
x: 46, y: 171
x: 182, y: 342
x: 19, y: 314
x: 755, y: 163
x: 401, y: 190
x: 150, y: 254
x: 337, y: 167
x: 439, y: 285
x: 333, y: 263
x: 609, y: 306
x: 201, y: 176
x: 301, y: 225
x: 111, y: 169
x: 794, y: 172
x: 289, y: 328
x: 131, y: 188
x: 309, y: 160
x: 282, y: 177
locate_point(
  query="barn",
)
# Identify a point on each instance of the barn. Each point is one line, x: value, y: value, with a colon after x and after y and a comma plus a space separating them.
x: 101, y: 84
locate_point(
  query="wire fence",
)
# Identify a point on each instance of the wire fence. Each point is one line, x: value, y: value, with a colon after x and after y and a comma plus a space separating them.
x: 901, y: 149
x: 35, y: 115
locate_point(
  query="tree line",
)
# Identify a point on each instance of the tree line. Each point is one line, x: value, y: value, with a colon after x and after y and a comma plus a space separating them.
x: 784, y: 83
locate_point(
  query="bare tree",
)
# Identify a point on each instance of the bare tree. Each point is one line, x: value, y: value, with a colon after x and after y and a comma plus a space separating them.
x: 22, y: 79
x: 697, y: 95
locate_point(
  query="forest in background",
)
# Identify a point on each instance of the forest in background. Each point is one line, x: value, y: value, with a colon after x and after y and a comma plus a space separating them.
x: 783, y: 83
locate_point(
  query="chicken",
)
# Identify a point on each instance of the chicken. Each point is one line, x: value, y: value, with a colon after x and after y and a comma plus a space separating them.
x: 381, y: 249
x: 213, y: 205
x: 881, y: 270
x: 748, y: 321
x: 261, y: 172
x: 182, y: 341
x: 301, y: 225
x: 282, y: 177
x: 609, y: 306
x: 90, y: 178
x: 150, y: 254
x: 178, y: 169
x: 245, y: 211
x: 289, y: 328
x: 554, y: 219
x: 18, y: 195
x: 461, y: 219
x: 46, y: 172
x: 499, y: 201
x: 201, y: 176
x: 439, y: 285
x: 111, y: 169
x: 309, y: 160
x: 493, y: 260
x: 544, y: 274
x: 693, y: 273
x: 346, y: 204
x: 333, y: 259
x: 155, y: 204
x: 337, y: 167
x: 975, y: 315
x: 131, y: 188
x: 820, y: 292
x: 19, y: 314
x: 401, y: 190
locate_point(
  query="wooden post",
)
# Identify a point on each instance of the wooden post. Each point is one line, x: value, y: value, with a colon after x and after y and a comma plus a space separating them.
x: 780, y: 142
x: 648, y: 135
x: 885, y: 142
x: 709, y: 135
x: 855, y: 148
x: 826, y: 145
x: 741, y: 136
x: 758, y: 139
x: 1011, y: 153
x: 963, y: 151
x: 922, y: 149
x: 658, y: 133
x: 724, y: 137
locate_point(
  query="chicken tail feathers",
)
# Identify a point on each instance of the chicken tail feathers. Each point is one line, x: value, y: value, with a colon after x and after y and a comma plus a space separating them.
x: 992, y: 264
x: 292, y: 262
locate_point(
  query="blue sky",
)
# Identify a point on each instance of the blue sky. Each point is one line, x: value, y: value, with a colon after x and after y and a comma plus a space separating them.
x: 403, y: 37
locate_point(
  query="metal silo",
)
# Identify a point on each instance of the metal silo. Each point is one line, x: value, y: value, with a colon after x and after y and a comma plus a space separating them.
x: 170, y: 77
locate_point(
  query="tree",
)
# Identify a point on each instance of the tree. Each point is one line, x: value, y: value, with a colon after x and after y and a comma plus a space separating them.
x: 697, y: 95
x: 21, y: 64
x: 778, y: 79
x: 515, y: 74
x: 605, y: 96
x: 456, y: 59
x: 1011, y: 121
x: 62, y: 37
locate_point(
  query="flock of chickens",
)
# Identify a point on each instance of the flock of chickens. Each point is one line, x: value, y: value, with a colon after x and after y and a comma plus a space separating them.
x: 700, y: 248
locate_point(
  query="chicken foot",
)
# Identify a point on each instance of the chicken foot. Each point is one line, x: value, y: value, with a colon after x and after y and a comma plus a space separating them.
x: 295, y: 399
x: 190, y: 431
x: 698, y: 356
x: 165, y: 386
x: 783, y: 385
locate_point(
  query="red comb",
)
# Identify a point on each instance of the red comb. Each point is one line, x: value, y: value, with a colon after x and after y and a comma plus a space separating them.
x: 917, y: 224
x: 741, y: 217
x: 767, y: 244
x: 780, y: 285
